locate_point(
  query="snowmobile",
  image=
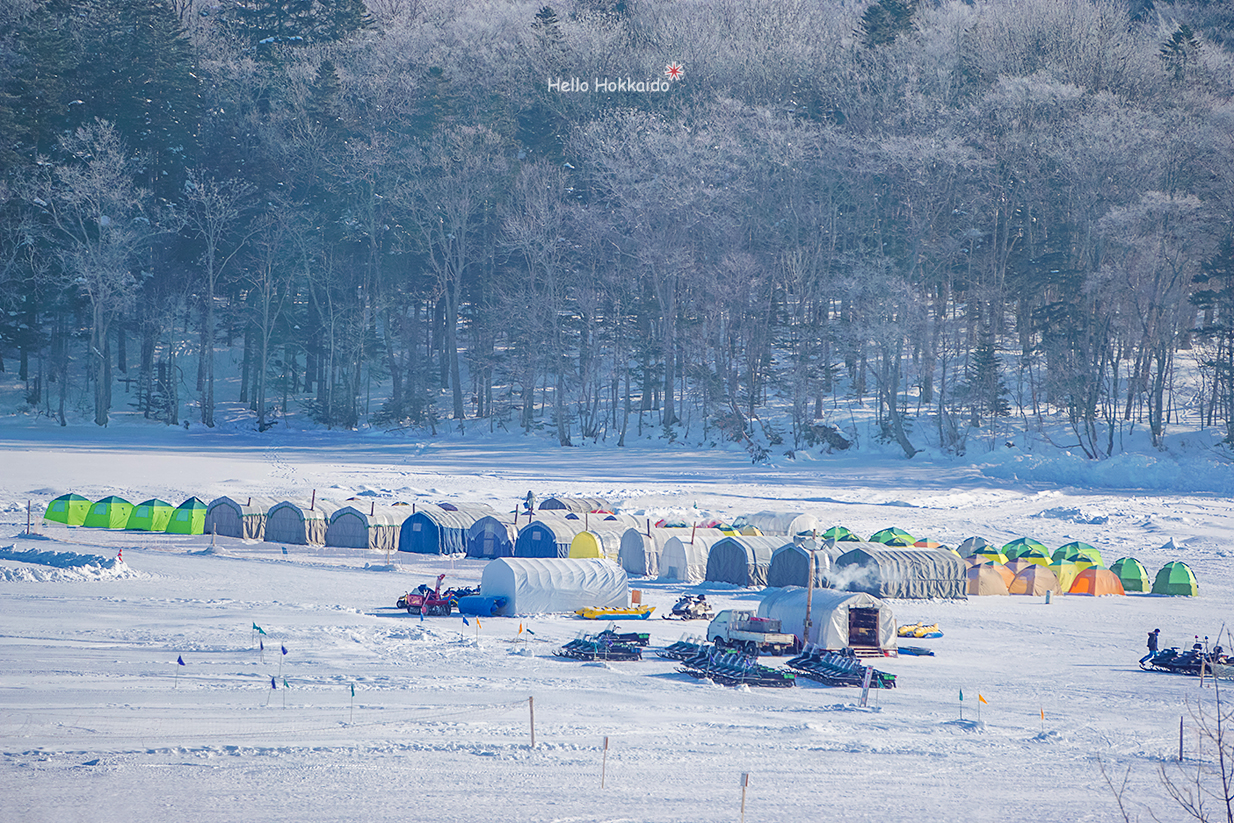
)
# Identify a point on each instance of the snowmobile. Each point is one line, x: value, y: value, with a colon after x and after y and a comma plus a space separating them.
x: 1182, y: 662
x: 691, y: 607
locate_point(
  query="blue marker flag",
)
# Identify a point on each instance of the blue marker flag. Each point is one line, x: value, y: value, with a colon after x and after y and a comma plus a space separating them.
x: 284, y: 648
x: 261, y: 644
x: 273, y: 685
x: 465, y: 623
x: 180, y: 660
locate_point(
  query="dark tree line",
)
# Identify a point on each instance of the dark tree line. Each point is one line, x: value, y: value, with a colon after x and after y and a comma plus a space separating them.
x: 405, y: 212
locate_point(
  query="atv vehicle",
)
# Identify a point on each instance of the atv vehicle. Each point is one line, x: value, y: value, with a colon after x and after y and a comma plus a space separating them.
x: 425, y: 601
x: 691, y: 607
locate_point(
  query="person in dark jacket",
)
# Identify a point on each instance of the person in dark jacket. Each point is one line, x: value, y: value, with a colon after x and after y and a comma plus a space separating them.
x: 1152, y: 644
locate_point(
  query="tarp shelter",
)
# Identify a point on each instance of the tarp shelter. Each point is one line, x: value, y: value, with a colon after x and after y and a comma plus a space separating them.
x: 547, y: 536
x: 109, y: 513
x: 839, y: 619
x: 150, y: 516
x: 790, y: 564
x: 188, y: 518
x: 841, y: 535
x: 596, y: 544
x: 298, y: 524
x: 1020, y: 545
x: 1176, y: 578
x: 490, y: 536
x: 893, y: 536
x: 574, y: 504
x: 984, y: 579
x: 1096, y: 581
x: 243, y: 517
x: 436, y: 531
x: 536, y: 585
x: 900, y: 572
x: 640, y: 549
x: 772, y: 523
x: 685, y: 556
x: 972, y: 545
x: 1068, y: 551
x: 69, y: 509
x: 366, y: 527
x: 1132, y: 574
x: 742, y: 560
x: 1035, y: 580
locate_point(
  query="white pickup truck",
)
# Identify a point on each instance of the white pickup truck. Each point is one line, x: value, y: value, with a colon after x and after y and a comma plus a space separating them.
x: 744, y: 631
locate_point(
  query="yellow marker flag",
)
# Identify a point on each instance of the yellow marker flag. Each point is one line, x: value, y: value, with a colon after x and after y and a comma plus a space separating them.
x: 982, y: 699
x: 478, y: 625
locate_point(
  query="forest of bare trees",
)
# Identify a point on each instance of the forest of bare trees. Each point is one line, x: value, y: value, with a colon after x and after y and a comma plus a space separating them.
x: 398, y: 214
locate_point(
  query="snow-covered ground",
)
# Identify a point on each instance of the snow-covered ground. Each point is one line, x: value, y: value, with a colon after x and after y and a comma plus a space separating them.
x: 99, y: 722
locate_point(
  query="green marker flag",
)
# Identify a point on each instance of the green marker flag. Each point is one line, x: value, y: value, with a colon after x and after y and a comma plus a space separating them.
x: 961, y: 695
x: 353, y: 689
x: 259, y: 629
x: 285, y: 686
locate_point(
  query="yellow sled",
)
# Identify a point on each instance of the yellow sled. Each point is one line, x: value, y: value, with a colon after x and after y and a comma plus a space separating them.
x: 614, y: 613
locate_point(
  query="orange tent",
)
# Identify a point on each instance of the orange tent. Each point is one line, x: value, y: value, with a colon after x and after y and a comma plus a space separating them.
x: 1036, y: 580
x: 1096, y: 581
x: 984, y: 579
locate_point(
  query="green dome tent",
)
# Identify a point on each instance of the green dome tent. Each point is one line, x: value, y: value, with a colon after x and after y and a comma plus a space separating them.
x: 69, y: 509
x: 1176, y: 578
x: 841, y: 535
x: 188, y: 518
x: 1132, y: 573
x: 1020, y: 545
x: 109, y: 513
x: 1070, y: 550
x: 1039, y: 556
x: 150, y: 516
x: 893, y: 537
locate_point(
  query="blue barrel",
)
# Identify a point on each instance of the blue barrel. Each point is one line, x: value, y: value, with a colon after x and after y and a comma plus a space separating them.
x: 480, y: 605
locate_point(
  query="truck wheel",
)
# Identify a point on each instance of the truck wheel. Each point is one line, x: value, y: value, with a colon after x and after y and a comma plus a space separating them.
x: 720, y: 644
x: 751, y: 648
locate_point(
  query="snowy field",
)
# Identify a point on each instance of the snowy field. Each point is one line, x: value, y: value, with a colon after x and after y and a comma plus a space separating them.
x: 99, y: 723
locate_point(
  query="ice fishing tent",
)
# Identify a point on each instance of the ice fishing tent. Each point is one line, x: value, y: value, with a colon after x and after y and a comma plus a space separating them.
x: 109, y: 513
x: 244, y: 517
x: 1035, y: 579
x: 299, y: 523
x: 150, y: 516
x: 69, y: 509
x: 741, y: 559
x: 1132, y: 574
x: 366, y: 527
x: 574, y: 504
x: 790, y: 564
x: 985, y: 579
x: 1096, y: 581
x: 972, y: 545
x: 685, y: 556
x: 1177, y: 579
x: 840, y: 535
x: 491, y: 537
x: 547, y: 536
x: 188, y: 518
x: 436, y: 531
x: 596, y: 544
x: 771, y: 523
x: 893, y: 536
x: 537, y: 585
x: 839, y: 619
x: 1021, y: 545
x: 641, y: 548
x: 1074, y: 549
x: 886, y: 571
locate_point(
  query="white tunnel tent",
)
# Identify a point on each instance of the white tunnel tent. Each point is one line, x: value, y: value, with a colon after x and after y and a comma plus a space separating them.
x: 545, y: 585
x: 685, y: 555
x: 838, y: 619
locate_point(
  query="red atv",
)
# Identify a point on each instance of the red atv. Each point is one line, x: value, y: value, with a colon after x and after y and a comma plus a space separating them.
x: 423, y: 600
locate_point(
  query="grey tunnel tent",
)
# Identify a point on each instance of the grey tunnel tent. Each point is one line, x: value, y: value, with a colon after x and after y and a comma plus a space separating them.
x: 574, y: 504
x: 838, y: 619
x: 437, y: 531
x: 908, y: 573
x: 491, y: 537
x: 547, y: 536
x: 640, y: 552
x: 773, y: 523
x: 685, y: 555
x: 790, y: 564
x: 299, y: 522
x: 741, y: 559
x: 366, y: 526
x: 243, y: 517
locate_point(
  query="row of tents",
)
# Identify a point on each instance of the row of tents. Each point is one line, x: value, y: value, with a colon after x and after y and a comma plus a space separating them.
x: 117, y: 513
x: 1125, y: 575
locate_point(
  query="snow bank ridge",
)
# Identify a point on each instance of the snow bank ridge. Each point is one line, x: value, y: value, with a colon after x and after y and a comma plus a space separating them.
x: 62, y: 566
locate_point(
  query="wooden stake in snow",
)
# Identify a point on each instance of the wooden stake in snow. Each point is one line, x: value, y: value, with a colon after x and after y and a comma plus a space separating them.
x: 604, y: 763
x: 865, y: 686
x: 313, y: 502
x: 28, y: 516
x: 1180, y: 739
x: 531, y: 709
x: 353, y: 705
x: 745, y: 781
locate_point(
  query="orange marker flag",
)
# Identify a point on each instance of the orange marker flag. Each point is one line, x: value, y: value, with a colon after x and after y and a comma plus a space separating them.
x: 520, y: 628
x: 1043, y: 713
x: 478, y: 626
x: 982, y: 699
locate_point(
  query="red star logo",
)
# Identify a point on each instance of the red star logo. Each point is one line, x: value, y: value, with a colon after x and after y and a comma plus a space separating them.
x: 674, y: 71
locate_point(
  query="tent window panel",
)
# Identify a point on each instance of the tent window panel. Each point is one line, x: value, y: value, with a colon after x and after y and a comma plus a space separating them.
x: 415, y: 527
x: 182, y: 515
x: 57, y: 507
x: 100, y: 508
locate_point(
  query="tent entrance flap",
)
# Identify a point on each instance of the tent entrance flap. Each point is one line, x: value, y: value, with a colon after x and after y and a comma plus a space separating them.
x: 863, y: 627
